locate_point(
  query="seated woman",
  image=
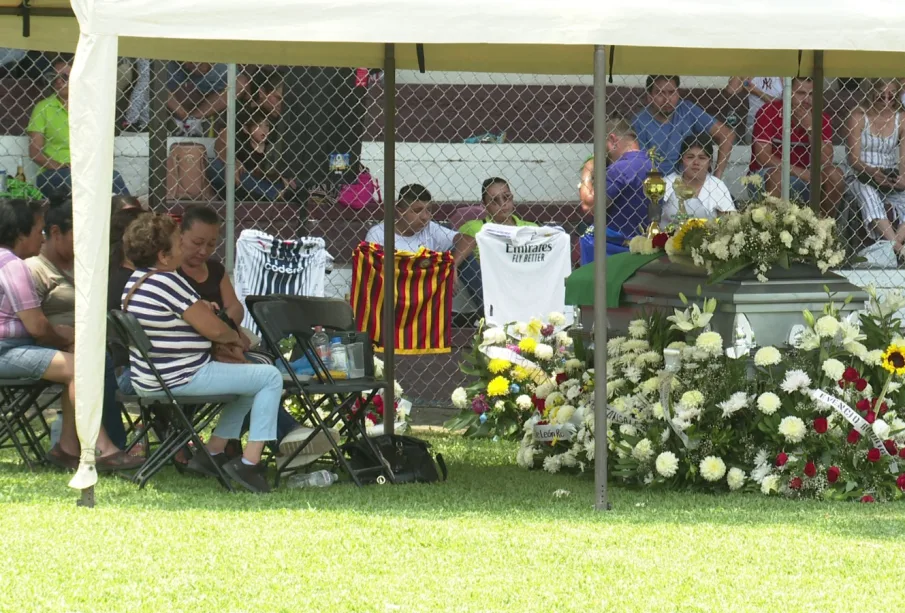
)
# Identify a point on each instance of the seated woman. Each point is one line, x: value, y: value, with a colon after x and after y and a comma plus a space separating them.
x: 414, y: 226
x: 255, y: 174
x: 500, y: 208
x: 181, y: 327
x: 30, y: 346
x: 710, y: 195
x: 875, y: 144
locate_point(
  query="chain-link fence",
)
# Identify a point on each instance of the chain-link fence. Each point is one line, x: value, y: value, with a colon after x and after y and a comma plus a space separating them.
x: 307, y: 159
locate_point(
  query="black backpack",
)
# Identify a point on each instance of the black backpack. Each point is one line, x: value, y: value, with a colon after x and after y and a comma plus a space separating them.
x: 409, y: 458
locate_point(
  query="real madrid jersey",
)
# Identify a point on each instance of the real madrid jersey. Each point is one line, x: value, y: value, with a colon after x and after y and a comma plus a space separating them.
x: 523, y: 270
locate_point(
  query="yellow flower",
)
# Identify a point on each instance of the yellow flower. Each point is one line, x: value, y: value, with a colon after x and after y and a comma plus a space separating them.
x: 527, y: 345
x: 498, y: 365
x: 498, y: 386
x: 689, y: 225
x: 534, y: 327
x: 894, y: 359
x: 520, y: 373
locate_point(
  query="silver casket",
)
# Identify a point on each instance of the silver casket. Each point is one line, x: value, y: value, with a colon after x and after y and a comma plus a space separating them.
x: 769, y: 309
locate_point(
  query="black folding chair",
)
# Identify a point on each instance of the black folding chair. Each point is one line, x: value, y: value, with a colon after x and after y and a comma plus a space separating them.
x: 342, y: 401
x: 184, y: 416
x: 22, y: 423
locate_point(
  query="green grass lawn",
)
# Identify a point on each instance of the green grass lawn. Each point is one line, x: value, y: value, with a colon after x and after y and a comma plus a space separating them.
x: 494, y: 538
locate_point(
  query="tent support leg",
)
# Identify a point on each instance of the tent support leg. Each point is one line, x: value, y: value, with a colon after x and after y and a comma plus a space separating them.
x: 601, y: 502
x: 87, y: 499
x: 817, y: 134
x: 231, y: 169
x: 389, y: 236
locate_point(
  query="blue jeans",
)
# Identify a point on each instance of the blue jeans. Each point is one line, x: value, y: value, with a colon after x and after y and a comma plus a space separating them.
x: 214, y: 80
x: 470, y: 274
x: 59, y: 182
x: 112, y: 412
x: 259, y: 388
x: 255, y: 187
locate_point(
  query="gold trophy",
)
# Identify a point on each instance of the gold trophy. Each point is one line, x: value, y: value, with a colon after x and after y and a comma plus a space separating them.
x: 684, y: 192
x: 654, y: 188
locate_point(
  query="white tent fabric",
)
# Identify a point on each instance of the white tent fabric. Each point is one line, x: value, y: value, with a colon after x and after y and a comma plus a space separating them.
x: 540, y: 36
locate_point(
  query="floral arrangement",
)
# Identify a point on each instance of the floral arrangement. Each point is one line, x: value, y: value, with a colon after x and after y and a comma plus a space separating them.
x: 823, y: 419
x: 514, y: 366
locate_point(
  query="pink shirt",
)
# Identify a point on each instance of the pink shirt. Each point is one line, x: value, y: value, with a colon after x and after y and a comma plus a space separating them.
x: 17, y: 293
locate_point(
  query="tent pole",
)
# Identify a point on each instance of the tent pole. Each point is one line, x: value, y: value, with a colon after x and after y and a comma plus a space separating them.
x: 786, y: 136
x: 600, y: 319
x: 389, y: 236
x: 231, y: 168
x: 817, y: 133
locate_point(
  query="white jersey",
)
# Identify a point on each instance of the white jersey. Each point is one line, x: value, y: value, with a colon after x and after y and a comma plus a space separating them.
x: 523, y: 272
x: 267, y: 265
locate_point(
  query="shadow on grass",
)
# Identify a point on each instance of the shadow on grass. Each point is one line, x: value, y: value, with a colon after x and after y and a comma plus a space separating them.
x: 484, y: 484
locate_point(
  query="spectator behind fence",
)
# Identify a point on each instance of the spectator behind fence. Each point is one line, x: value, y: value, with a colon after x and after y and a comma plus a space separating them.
x: 51, y: 272
x: 875, y: 142
x: 181, y: 327
x: 48, y: 138
x: 668, y: 119
x: 499, y: 207
x: 711, y: 196
x: 760, y: 90
x: 31, y: 347
x: 628, y: 167
x: 414, y: 226
x: 198, y: 92
x: 766, y: 151
x: 256, y: 176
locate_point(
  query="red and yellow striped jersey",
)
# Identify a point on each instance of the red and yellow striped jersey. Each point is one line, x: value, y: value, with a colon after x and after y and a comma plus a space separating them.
x: 424, y: 293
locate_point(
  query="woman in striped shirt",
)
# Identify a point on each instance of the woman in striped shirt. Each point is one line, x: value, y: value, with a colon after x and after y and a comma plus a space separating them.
x: 181, y: 327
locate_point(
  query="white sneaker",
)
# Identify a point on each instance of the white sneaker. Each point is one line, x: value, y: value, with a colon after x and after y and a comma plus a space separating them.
x: 316, y: 448
x: 400, y: 427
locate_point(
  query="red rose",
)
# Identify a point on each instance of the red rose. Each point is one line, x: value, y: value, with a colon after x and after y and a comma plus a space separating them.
x: 902, y: 453
x: 873, y: 403
x: 560, y: 377
x: 781, y: 459
x: 659, y: 240
x: 832, y: 474
x: 883, y: 408
x: 850, y: 374
x: 890, y: 447
x: 853, y: 437
x: 863, y: 405
x: 820, y: 425
x: 539, y: 403
x: 900, y: 482
x: 871, y: 417
x: 860, y: 385
x: 810, y: 469
x: 795, y: 483
x: 842, y: 383
x: 873, y: 455
x: 867, y: 498
x: 548, y: 330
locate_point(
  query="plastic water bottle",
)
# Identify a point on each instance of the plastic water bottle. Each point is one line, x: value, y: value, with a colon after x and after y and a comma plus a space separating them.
x: 339, y: 355
x: 321, y: 343
x: 56, y: 427
x: 320, y: 478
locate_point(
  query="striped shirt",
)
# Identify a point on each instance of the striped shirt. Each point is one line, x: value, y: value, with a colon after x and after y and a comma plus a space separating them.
x: 17, y: 293
x: 177, y: 350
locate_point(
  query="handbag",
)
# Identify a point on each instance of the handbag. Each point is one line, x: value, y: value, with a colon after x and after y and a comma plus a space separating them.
x: 409, y: 458
x: 364, y: 191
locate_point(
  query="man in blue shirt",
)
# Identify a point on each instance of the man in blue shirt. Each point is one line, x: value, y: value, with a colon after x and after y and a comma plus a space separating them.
x: 668, y: 119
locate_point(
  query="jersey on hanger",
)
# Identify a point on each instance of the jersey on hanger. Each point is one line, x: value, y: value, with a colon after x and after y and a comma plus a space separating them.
x: 523, y: 270
x: 424, y: 292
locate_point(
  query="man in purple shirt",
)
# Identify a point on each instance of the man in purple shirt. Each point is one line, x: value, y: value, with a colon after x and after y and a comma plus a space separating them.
x: 628, y: 167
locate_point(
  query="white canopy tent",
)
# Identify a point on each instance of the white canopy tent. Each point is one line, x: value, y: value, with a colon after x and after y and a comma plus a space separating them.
x: 701, y: 37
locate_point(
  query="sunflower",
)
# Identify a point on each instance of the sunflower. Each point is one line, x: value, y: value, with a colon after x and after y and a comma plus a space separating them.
x: 689, y: 225
x: 498, y: 365
x: 527, y: 345
x: 498, y: 386
x: 894, y: 359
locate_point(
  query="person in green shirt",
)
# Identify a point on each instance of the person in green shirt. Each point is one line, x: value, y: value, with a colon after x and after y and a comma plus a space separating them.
x: 48, y: 138
x: 500, y: 209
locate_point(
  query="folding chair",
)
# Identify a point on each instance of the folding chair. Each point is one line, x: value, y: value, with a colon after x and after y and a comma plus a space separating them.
x: 175, y: 409
x: 22, y: 423
x: 278, y: 318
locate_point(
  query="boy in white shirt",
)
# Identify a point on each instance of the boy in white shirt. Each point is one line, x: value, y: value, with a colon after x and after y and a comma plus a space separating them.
x: 414, y: 225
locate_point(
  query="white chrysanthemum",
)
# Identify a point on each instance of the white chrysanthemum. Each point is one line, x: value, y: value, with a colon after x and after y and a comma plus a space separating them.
x: 667, y: 464
x: 881, y: 429
x: 826, y: 327
x: 786, y: 238
x: 759, y: 215
x: 628, y: 430
x: 650, y: 386
x: 736, y: 402
x: 573, y: 392
x: 556, y: 318
x: 499, y: 405
x: 711, y: 342
x: 792, y: 428
x: 564, y: 414
x: 632, y: 373
x: 378, y: 368
x: 759, y: 472
x: 555, y: 399
x: 494, y: 336
x: 544, y: 389
x: 657, y: 411
x: 573, y: 365
x: 712, y: 468
x: 637, y: 328
x: 543, y: 351
x: 735, y: 478
x: 808, y: 341
x: 769, y: 484
x: 692, y: 399
x: 768, y: 403
x: 460, y: 398
x: 614, y: 345
x: 563, y: 339
x: 833, y: 369
x: 525, y: 456
x: 643, y: 450
x: 552, y: 464
x: 761, y: 457
x: 524, y: 402
x: 795, y: 381
x: 648, y: 358
x: 767, y: 356
x: 899, y: 426
x: 635, y: 344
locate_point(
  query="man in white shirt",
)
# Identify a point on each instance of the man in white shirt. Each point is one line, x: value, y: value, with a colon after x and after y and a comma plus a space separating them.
x: 414, y: 227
